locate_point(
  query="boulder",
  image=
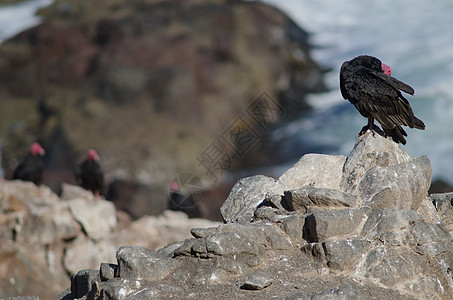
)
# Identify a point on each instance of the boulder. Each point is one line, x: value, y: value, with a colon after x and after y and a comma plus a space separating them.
x: 370, y: 150
x: 443, y: 204
x: 386, y: 220
x: 142, y: 263
x: 88, y: 213
x: 306, y: 197
x: 76, y: 256
x: 318, y: 170
x: 245, y: 197
x: 258, y: 280
x: 324, y: 225
x: 391, y: 186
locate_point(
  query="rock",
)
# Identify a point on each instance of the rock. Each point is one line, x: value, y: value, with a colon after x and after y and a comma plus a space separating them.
x: 120, y: 288
x: 318, y: 170
x: 141, y: 263
x: 46, y: 226
x: 258, y: 280
x: 82, y: 283
x: 169, y: 250
x: 231, y: 244
x: 428, y: 211
x: 338, y: 255
x: 325, y: 225
x: 370, y: 150
x: 386, y: 220
x: 245, y: 197
x: 69, y: 192
x: 344, y: 254
x: 76, y: 255
x: 88, y: 213
x: 65, y: 295
x: 16, y: 193
x: 42, y: 242
x: 425, y: 233
x: 20, y: 267
x: 108, y: 271
x: 443, y: 204
x: 344, y: 292
x: 293, y: 227
x: 202, y: 232
x: 298, y: 296
x: 304, y: 198
x: 398, y: 267
x: 409, y: 180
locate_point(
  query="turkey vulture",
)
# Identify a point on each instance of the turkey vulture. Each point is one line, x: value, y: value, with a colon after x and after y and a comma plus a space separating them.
x: 366, y: 82
x: 31, y: 167
x: 89, y: 174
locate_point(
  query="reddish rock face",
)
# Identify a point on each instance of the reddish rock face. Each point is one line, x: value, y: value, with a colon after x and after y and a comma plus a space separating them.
x: 63, y: 54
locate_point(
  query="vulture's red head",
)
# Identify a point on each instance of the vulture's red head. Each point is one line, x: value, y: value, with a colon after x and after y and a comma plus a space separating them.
x: 386, y: 69
x: 92, y: 155
x: 37, y: 149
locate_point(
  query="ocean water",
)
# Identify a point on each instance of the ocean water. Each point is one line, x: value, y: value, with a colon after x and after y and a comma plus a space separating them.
x: 18, y: 17
x: 414, y: 37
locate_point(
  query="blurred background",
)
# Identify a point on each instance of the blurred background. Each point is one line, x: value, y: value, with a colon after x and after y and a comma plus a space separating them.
x: 157, y: 87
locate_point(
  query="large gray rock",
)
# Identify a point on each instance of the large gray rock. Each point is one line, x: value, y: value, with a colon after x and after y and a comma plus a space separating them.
x: 258, y: 280
x: 338, y: 255
x: 318, y: 170
x: 83, y: 253
x: 85, y: 282
x: 230, y: 244
x: 443, y: 204
x: 46, y: 224
x: 399, y: 266
x: 369, y: 151
x: 293, y: 226
x: 245, y: 197
x: 303, y: 199
x: 120, y: 288
x: 402, y: 186
x: 344, y: 254
x: 384, y: 221
x: 141, y: 263
x: 328, y: 224
x: 97, y: 218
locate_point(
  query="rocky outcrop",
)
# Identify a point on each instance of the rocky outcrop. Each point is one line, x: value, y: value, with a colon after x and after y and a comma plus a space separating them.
x: 362, y: 229
x: 44, y: 239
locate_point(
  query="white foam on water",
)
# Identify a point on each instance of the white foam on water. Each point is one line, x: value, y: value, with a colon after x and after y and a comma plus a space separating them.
x: 413, y: 37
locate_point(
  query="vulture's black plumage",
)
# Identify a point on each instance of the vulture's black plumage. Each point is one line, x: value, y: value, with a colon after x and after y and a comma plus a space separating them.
x: 366, y: 83
x: 89, y: 174
x: 32, y: 166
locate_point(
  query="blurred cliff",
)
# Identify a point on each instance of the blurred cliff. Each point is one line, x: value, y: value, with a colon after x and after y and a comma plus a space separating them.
x: 149, y: 84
